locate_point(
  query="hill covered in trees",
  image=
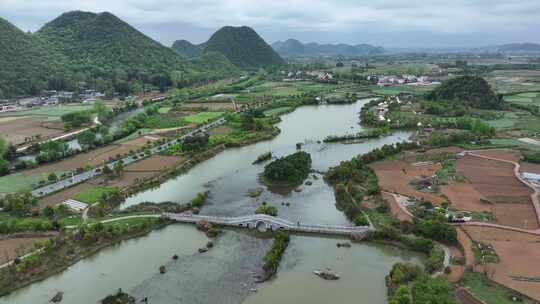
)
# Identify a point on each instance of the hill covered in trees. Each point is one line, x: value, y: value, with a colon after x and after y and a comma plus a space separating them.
x: 186, y: 48
x: 102, y: 44
x: 293, y: 47
x: 25, y: 61
x: 467, y: 90
x: 243, y: 47
x: 99, y: 49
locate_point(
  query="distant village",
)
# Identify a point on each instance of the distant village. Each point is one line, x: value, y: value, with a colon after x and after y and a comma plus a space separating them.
x: 380, y: 80
x: 51, y: 98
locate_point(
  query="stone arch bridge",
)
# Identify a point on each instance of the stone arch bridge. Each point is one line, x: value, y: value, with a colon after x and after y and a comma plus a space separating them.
x: 266, y: 222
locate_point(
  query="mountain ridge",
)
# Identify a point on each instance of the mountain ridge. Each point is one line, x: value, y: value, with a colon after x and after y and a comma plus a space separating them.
x: 293, y: 47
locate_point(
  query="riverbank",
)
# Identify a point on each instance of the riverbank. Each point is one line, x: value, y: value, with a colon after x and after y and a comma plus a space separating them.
x: 65, y: 250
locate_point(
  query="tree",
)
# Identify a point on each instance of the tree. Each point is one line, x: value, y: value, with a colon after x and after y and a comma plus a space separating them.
x: 52, y: 177
x: 19, y: 203
x: 4, y: 166
x: 48, y: 211
x: 107, y: 171
x: 401, y: 296
x: 118, y: 168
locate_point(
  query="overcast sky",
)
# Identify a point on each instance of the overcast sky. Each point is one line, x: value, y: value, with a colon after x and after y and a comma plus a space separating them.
x: 389, y: 23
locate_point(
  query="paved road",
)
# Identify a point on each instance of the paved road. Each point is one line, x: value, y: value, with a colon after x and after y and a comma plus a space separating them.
x: 86, y: 175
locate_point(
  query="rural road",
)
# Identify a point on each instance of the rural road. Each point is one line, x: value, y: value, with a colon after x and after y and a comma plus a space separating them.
x: 86, y: 175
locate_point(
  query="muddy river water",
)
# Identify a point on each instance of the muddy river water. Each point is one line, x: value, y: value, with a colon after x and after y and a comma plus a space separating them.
x: 225, y: 274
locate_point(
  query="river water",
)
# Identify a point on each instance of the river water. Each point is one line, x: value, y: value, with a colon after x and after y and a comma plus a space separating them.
x: 225, y: 274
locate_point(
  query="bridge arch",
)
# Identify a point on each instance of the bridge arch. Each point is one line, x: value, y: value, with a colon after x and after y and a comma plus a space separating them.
x: 262, y: 226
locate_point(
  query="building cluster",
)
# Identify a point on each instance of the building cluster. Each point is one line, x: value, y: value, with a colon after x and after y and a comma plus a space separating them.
x: 382, y: 108
x: 391, y: 80
x: 50, y: 98
x: 300, y: 75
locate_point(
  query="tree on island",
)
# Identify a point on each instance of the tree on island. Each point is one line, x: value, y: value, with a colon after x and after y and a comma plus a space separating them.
x: 292, y: 169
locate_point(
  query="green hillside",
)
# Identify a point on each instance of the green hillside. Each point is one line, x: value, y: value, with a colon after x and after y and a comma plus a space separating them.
x: 100, y: 43
x: 469, y: 90
x: 243, y: 47
x: 99, y: 49
x: 215, y: 65
x: 25, y: 62
x: 186, y: 49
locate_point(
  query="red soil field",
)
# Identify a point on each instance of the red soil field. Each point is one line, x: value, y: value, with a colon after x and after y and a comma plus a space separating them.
x: 518, y: 253
x: 395, y: 176
x: 494, y: 179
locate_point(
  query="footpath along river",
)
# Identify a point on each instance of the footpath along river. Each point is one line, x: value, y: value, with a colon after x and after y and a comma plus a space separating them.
x: 225, y: 273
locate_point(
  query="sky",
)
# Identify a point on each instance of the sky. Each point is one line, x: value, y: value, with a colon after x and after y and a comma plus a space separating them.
x: 388, y: 23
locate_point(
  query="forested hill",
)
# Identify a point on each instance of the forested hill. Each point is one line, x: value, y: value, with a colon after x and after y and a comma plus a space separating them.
x: 102, y: 42
x: 25, y: 62
x: 99, y: 49
x: 186, y: 48
x: 470, y: 90
x: 243, y: 47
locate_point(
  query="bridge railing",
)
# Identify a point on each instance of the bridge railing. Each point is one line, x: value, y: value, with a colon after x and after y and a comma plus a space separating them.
x: 266, y: 219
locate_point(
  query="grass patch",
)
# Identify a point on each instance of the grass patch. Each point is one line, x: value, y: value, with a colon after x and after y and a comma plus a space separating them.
x: 277, y: 111
x: 486, y: 290
x: 134, y: 135
x: 164, y: 110
x: 160, y: 122
x: 202, y: 117
x: 17, y: 181
x: 92, y: 195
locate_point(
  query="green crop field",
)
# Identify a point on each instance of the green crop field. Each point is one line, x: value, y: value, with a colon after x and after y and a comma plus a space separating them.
x: 202, y: 117
x: 164, y: 110
x: 394, y: 90
x: 524, y: 98
x: 92, y: 195
x: 17, y: 181
x: 487, y: 291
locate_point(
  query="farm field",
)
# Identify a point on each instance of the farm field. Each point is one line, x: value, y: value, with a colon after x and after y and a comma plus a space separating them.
x: 59, y: 197
x: 396, y: 175
x: 13, y: 247
x: 92, y: 195
x: 394, y: 90
x: 514, y: 81
x: 145, y: 168
x: 202, y: 117
x: 524, y: 98
x: 494, y: 179
x: 211, y: 106
x: 517, y: 251
x: 93, y: 158
x: 18, y: 181
x: 16, y: 128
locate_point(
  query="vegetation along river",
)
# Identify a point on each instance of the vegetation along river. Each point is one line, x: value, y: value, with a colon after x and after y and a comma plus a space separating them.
x: 225, y: 273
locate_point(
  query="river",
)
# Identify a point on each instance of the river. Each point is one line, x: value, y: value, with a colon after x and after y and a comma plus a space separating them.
x: 225, y: 274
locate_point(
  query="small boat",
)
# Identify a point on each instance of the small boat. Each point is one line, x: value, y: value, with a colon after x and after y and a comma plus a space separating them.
x: 326, y: 274
x: 57, y: 297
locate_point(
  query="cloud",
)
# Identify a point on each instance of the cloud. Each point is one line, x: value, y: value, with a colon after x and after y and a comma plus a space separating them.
x: 280, y: 19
